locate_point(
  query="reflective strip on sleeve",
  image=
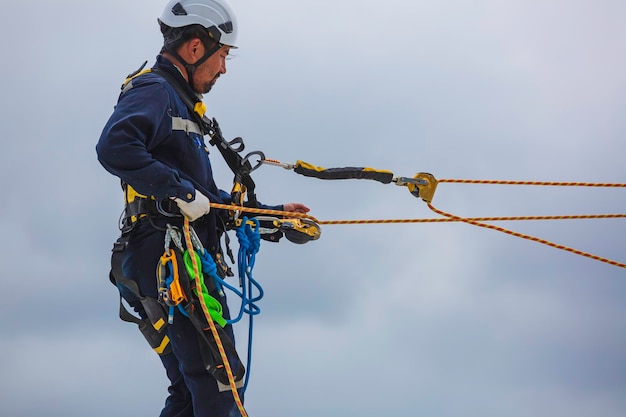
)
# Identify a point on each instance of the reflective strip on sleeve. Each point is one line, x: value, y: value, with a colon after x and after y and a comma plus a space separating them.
x: 188, y: 126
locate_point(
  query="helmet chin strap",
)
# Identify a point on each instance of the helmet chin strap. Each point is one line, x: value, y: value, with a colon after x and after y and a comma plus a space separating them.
x: 191, y: 68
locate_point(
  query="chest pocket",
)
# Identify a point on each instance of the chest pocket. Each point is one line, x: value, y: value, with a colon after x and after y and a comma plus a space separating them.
x: 191, y: 129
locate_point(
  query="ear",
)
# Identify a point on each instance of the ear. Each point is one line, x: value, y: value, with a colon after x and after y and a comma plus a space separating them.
x: 195, y: 49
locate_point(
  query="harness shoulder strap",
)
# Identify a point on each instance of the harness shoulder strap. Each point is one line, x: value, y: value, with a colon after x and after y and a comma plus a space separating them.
x: 240, y: 167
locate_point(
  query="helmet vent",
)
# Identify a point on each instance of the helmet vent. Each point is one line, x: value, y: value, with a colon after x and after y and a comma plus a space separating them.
x: 179, y: 10
x: 227, y: 27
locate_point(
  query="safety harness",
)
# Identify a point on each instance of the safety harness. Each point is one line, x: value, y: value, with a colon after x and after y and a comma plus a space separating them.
x: 179, y: 287
x: 272, y: 228
x: 188, y: 278
x: 243, y: 184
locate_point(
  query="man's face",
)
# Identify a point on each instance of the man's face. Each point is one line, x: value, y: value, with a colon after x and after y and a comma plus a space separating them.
x: 208, y: 72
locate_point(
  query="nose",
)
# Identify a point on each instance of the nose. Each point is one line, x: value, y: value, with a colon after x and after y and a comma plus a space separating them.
x: 223, y: 66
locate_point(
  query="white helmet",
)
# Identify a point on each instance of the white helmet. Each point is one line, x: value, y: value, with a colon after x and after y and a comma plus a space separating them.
x: 215, y: 15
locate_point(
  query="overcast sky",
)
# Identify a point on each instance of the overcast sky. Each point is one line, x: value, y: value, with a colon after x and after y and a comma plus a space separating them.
x: 437, y: 320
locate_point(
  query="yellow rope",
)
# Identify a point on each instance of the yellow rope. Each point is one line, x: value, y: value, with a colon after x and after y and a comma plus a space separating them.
x: 216, y: 336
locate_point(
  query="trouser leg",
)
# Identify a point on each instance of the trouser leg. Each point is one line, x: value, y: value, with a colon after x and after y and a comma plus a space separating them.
x: 193, y: 392
x: 178, y: 403
x: 205, y: 396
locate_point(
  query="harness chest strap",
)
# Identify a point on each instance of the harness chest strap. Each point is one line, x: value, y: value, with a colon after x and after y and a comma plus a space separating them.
x: 243, y: 185
x: 239, y: 166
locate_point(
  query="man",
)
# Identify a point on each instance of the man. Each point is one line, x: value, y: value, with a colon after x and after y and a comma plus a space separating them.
x: 155, y: 144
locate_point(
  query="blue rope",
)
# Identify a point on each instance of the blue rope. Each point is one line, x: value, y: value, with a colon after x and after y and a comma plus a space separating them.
x: 249, y: 244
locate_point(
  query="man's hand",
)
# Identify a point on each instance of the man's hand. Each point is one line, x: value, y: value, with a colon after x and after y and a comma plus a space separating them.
x: 296, y: 207
x: 196, y: 208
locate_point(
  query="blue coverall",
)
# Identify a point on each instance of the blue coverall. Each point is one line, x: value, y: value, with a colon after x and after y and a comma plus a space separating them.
x: 153, y: 144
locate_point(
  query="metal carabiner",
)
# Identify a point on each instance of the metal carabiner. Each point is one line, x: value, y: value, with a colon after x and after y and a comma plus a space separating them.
x: 173, y: 234
x: 246, y: 160
x: 195, y: 240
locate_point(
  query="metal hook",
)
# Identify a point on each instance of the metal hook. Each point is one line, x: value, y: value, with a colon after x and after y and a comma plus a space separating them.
x: 196, y: 240
x: 246, y: 159
x: 174, y: 235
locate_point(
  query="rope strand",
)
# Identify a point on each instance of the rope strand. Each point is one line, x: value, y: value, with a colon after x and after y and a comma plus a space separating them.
x: 476, y: 221
x: 545, y: 183
x: 528, y: 237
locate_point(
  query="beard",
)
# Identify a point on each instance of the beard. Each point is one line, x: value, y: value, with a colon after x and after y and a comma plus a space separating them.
x: 206, y: 87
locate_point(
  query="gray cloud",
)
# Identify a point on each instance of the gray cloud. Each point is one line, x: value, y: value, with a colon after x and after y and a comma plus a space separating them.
x: 426, y: 319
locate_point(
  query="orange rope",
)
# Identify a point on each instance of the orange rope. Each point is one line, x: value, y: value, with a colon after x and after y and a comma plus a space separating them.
x: 291, y: 214
x: 478, y: 219
x: 473, y: 220
x: 548, y: 183
x: 216, y: 336
x: 288, y: 214
x: 523, y: 236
